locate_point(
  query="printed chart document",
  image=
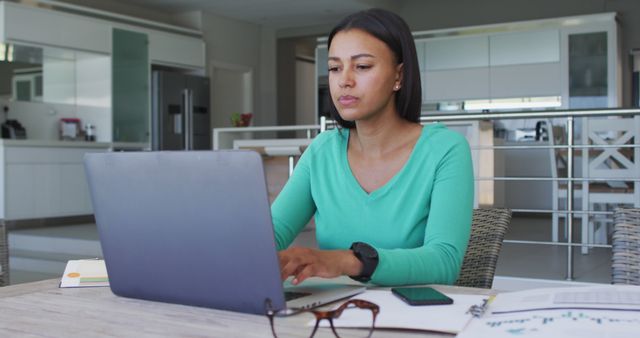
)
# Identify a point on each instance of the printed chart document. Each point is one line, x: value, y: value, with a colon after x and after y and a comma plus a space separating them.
x: 594, y: 311
x: 84, y: 273
x: 396, y: 314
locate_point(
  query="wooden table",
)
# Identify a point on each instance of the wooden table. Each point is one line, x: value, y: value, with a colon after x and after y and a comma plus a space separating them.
x: 41, y: 309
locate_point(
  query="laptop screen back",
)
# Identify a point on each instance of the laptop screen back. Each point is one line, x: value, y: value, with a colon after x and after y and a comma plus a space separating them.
x: 192, y: 228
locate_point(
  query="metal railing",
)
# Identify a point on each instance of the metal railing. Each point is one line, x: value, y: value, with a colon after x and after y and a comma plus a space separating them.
x: 308, y: 129
x: 570, y: 180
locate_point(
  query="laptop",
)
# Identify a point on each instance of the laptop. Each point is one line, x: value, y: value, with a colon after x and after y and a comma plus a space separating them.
x: 194, y: 228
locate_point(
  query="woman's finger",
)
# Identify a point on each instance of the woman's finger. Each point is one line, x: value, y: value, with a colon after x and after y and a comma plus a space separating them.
x: 306, y: 272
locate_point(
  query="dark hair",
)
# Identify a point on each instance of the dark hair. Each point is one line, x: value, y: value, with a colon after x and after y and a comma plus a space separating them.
x: 391, y: 29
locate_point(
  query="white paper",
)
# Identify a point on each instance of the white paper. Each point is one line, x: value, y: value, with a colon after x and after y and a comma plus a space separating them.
x: 396, y: 314
x: 84, y: 273
x: 584, y: 312
x: 556, y: 323
x: 588, y: 297
x: 69, y: 130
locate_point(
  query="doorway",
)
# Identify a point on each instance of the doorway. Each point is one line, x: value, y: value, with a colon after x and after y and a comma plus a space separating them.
x: 231, y: 92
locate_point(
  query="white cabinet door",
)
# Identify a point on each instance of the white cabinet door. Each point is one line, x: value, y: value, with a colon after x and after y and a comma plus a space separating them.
x: 455, y: 68
x: 524, y: 47
x: 74, y: 198
x: 456, y: 53
x: 20, y: 191
x: 420, y: 46
x: 52, y: 28
x: 33, y: 191
x: 173, y: 49
x: 47, y: 189
x: 456, y: 84
x: 46, y: 182
x: 525, y: 64
x: 542, y: 79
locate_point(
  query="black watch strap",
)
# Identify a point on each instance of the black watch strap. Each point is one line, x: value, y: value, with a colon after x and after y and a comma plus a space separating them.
x: 368, y: 255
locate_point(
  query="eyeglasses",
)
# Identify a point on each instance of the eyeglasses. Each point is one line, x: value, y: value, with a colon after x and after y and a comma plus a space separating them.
x: 354, y: 307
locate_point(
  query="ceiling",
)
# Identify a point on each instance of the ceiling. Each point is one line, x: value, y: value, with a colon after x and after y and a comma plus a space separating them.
x: 273, y: 13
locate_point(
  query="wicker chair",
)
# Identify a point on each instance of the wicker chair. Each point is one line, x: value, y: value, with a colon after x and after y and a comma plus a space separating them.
x: 487, y: 232
x: 625, y: 265
x: 4, y: 255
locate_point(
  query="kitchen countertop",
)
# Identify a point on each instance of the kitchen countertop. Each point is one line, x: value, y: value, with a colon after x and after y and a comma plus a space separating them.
x: 274, y: 147
x: 65, y: 144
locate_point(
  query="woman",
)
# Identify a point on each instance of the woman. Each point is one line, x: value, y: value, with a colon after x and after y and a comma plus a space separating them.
x: 392, y: 200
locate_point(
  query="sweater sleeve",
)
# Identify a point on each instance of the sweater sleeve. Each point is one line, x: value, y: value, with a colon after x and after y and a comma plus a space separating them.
x: 294, y: 206
x: 448, y: 227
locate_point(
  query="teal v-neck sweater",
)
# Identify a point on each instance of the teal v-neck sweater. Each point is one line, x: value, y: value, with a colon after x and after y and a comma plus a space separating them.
x: 419, y: 221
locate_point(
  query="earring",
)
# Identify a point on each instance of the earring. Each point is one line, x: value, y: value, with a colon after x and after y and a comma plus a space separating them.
x: 396, y: 87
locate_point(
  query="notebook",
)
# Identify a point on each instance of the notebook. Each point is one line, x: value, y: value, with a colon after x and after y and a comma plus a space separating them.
x: 193, y: 228
x: 581, y: 312
x: 80, y: 273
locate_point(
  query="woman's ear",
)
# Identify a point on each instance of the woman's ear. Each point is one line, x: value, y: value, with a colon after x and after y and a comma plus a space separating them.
x: 398, y: 82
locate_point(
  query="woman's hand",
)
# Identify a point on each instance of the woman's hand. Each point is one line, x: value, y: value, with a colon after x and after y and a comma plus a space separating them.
x: 302, y: 263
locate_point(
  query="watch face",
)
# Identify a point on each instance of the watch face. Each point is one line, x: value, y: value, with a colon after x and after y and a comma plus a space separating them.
x: 366, y: 251
x: 369, y: 252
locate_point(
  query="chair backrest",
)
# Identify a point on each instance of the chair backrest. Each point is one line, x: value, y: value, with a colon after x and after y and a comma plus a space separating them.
x: 4, y: 255
x: 625, y: 261
x: 487, y: 232
x: 611, y: 162
x: 557, y: 136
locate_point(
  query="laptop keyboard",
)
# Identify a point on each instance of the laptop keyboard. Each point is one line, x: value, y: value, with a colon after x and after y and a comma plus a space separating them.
x: 291, y: 295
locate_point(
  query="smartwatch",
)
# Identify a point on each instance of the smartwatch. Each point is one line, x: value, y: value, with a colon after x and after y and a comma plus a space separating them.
x: 368, y: 255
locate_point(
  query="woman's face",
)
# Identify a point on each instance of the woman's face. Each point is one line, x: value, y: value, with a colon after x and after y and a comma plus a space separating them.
x: 363, y: 75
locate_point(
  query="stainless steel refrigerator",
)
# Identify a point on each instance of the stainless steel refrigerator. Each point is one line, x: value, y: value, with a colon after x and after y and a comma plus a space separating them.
x: 180, y: 117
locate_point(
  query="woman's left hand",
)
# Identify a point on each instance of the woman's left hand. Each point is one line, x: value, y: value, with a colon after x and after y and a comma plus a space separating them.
x: 302, y: 263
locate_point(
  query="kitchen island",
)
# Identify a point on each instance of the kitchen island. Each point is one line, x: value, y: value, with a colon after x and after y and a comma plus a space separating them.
x: 42, y: 178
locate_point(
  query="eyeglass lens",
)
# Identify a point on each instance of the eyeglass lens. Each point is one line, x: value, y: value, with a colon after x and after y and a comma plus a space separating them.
x: 326, y: 323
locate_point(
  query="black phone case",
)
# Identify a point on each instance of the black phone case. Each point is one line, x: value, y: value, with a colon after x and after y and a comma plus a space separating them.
x: 444, y: 301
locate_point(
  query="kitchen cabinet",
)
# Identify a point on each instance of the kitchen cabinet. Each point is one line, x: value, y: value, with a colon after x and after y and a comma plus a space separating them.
x: 41, y: 179
x: 46, y: 27
x: 176, y: 50
x: 420, y: 46
x: 456, y: 84
x: 487, y: 66
x: 456, y: 53
x: 525, y: 64
x: 567, y: 62
x: 131, y: 87
x: 35, y: 26
x: 526, y: 80
x: 73, y: 55
x: 589, y: 71
x: 572, y: 58
x: 525, y: 47
x: 455, y: 68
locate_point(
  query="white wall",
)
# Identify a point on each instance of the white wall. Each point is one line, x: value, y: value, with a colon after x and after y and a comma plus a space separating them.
x: 41, y: 120
x: 267, y: 79
x: 245, y: 44
x: 305, y: 92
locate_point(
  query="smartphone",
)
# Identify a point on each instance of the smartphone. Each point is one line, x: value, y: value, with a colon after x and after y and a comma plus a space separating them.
x: 421, y: 296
